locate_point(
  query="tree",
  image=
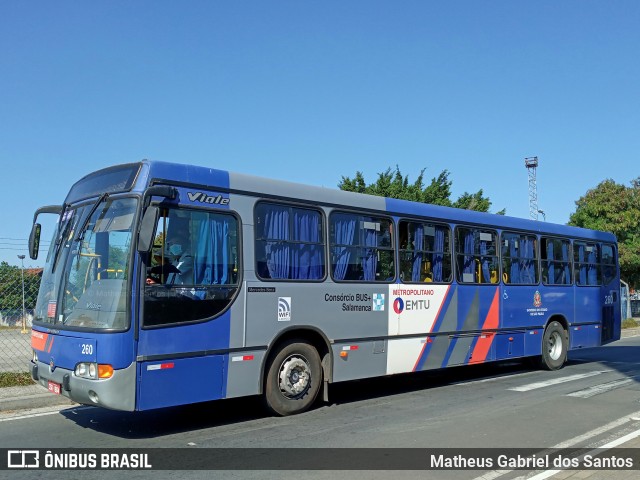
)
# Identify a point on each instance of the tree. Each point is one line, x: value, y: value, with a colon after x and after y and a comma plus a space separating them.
x: 614, y: 208
x: 438, y: 192
x: 11, y: 288
x: 474, y: 201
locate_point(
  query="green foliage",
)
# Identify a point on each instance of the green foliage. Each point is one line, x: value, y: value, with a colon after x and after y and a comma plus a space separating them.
x: 10, y: 379
x: 118, y: 258
x: 11, y: 288
x: 474, y: 201
x: 629, y: 323
x: 393, y: 184
x: 612, y: 207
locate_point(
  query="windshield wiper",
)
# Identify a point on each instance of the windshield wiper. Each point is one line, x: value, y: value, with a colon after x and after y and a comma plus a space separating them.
x: 63, y: 232
x: 80, y: 235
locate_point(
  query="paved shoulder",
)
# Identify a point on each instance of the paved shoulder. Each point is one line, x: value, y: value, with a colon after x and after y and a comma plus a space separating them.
x: 31, y: 396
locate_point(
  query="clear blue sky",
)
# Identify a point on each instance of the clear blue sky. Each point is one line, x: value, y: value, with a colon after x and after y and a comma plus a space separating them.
x: 311, y: 91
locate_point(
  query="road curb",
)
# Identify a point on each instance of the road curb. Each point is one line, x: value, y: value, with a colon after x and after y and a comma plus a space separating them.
x: 30, y: 396
x: 630, y: 332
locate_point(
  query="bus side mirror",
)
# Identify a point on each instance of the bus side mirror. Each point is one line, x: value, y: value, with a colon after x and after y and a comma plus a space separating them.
x: 34, y: 236
x: 147, y: 229
x: 162, y: 191
x: 34, y: 241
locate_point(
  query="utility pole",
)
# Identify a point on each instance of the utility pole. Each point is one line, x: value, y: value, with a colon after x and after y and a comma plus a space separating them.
x: 24, y: 312
x: 532, y: 164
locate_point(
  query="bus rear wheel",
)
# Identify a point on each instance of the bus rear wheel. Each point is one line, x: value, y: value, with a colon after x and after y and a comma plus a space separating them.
x: 554, y: 346
x: 293, y: 379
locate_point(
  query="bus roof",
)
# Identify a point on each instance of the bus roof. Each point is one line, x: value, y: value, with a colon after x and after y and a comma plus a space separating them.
x: 206, y: 177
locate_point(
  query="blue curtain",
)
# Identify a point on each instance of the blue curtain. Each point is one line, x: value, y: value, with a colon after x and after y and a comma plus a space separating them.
x: 527, y: 273
x: 565, y: 260
x: 211, y: 265
x: 306, y: 262
x: 276, y: 229
x: 486, y: 275
x: 551, y: 275
x: 344, y: 232
x: 592, y: 268
x: 370, y: 256
x: 418, y: 247
x: 438, y: 257
x: 583, y: 266
x: 469, y: 250
x: 515, y: 265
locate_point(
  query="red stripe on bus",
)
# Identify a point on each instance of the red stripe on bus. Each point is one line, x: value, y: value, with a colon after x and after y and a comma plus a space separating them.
x: 38, y: 340
x: 483, y: 345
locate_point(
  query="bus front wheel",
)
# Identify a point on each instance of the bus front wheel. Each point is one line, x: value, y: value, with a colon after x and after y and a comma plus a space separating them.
x: 293, y: 379
x: 554, y: 346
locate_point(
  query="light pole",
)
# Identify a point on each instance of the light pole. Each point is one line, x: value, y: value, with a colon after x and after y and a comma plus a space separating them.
x: 24, y: 314
x: 543, y: 215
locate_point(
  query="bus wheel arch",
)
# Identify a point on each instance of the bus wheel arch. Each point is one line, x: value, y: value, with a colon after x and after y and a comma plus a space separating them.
x: 297, y: 367
x: 555, y: 344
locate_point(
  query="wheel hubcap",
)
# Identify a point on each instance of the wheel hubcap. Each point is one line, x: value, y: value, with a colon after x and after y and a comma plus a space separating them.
x: 555, y: 346
x: 295, y: 376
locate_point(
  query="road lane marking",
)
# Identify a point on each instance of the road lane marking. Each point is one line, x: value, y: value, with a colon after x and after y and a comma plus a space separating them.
x: 492, y: 475
x: 556, y: 381
x: 495, y: 378
x: 615, y: 443
x: 38, y: 412
x: 602, y: 388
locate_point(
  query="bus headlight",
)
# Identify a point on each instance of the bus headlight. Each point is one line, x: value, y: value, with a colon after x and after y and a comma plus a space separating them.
x: 93, y: 371
x: 82, y: 370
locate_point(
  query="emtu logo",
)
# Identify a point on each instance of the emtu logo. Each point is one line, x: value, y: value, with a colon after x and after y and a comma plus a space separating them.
x: 398, y: 305
x: 284, y: 309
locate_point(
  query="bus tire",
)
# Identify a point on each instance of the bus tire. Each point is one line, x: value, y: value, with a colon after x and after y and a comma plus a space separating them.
x: 293, y: 379
x: 554, y: 346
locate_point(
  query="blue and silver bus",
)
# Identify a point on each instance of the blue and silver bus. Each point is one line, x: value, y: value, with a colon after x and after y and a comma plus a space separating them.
x: 169, y: 284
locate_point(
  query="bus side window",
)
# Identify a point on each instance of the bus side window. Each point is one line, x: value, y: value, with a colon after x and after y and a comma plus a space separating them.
x: 362, y: 248
x: 425, y: 252
x: 289, y: 242
x: 586, y: 261
x: 609, y: 272
x: 520, y: 258
x: 196, y: 259
x: 476, y: 255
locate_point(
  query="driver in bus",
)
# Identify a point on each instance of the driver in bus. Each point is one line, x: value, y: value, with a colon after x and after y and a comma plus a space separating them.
x: 174, y: 266
x: 179, y: 251
x: 161, y: 269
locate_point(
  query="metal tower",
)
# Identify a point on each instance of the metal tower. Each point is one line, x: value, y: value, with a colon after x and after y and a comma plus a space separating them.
x: 532, y: 163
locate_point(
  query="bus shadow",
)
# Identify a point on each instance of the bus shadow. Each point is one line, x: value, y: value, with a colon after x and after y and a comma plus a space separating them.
x: 167, y: 421
x: 373, y: 388
x: 190, y: 418
x: 216, y: 414
x: 625, y: 359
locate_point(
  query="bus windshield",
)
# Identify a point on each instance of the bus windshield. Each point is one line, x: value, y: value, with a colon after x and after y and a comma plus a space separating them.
x: 85, y: 279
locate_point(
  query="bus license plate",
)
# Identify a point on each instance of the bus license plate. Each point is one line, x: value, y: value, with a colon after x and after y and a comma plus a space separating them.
x: 54, y: 387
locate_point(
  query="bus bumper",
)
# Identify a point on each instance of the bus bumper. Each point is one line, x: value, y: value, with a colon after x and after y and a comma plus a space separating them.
x: 116, y: 393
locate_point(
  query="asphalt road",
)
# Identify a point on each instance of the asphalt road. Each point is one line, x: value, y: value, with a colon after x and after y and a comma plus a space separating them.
x: 589, y: 403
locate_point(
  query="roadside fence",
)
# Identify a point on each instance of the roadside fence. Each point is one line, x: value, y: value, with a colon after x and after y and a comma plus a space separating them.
x: 18, y: 294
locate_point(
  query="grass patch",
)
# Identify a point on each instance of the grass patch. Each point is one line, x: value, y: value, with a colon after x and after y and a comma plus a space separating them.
x: 629, y: 323
x: 11, y: 379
